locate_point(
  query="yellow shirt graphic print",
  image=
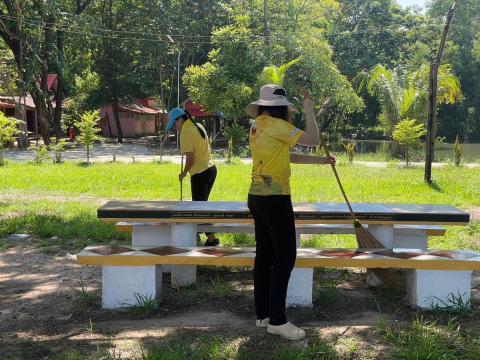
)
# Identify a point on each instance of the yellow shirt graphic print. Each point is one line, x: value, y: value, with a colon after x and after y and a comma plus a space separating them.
x: 270, y: 141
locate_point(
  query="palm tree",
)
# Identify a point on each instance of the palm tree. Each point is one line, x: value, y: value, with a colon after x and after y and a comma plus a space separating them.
x: 402, y: 95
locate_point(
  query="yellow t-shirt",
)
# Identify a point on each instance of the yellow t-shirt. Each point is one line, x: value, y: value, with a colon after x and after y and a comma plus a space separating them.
x: 270, y: 140
x: 192, y: 141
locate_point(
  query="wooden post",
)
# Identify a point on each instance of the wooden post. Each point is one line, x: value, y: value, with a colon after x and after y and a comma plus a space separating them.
x: 432, y: 100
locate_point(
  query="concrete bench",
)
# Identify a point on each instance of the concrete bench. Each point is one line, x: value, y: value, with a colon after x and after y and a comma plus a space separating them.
x: 174, y: 223
x: 434, y: 278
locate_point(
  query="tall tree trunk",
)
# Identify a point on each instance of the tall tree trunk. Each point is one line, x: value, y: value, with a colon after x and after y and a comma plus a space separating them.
x: 432, y: 100
x: 117, y: 121
x: 42, y: 116
x: 57, y: 115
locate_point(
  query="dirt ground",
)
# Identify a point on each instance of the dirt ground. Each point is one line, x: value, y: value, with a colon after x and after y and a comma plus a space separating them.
x: 40, y: 313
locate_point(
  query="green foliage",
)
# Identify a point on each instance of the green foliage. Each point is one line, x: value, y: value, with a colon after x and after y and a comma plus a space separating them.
x: 457, y: 151
x: 350, y: 149
x: 408, y: 133
x: 57, y: 146
x: 275, y: 74
x: 225, y: 82
x: 83, y: 98
x: 403, y: 95
x: 145, y: 305
x: 8, y: 130
x: 88, y: 127
x: 40, y: 154
x: 423, y: 340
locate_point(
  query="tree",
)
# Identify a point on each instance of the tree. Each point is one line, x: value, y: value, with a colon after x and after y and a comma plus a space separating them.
x: 461, y: 51
x: 225, y: 82
x: 37, y: 47
x: 8, y: 129
x: 408, y: 132
x: 432, y: 100
x: 88, y: 127
x: 401, y: 95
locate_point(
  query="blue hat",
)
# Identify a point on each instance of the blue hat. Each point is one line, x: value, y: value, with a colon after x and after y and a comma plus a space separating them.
x: 173, y: 115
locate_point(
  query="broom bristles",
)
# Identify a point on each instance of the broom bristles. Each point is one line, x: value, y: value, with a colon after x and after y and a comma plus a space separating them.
x: 364, y: 238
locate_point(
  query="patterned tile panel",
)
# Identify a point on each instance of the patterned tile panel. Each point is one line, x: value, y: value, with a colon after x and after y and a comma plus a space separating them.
x: 306, y: 257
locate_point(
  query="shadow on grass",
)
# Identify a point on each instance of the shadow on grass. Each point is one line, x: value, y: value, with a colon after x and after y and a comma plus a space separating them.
x: 235, y: 344
x: 435, y: 186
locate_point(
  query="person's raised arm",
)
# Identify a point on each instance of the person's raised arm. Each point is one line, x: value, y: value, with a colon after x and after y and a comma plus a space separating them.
x: 311, y: 135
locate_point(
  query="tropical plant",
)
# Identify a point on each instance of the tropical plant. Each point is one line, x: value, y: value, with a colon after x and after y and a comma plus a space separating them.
x: 88, y: 127
x: 402, y: 95
x: 8, y: 130
x: 457, y: 151
x: 350, y: 149
x: 407, y: 132
x: 275, y: 74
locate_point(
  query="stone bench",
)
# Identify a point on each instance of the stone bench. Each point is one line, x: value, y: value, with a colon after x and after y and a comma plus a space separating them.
x: 434, y: 278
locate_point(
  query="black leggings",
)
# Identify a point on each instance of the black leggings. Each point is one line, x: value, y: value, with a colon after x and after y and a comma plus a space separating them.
x: 276, y: 251
x: 202, y: 183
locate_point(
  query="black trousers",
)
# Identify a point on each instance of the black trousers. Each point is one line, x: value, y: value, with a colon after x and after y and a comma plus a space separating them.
x: 201, y: 184
x: 276, y: 251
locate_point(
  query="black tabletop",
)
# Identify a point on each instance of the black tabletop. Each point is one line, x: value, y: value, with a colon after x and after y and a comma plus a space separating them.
x: 223, y: 211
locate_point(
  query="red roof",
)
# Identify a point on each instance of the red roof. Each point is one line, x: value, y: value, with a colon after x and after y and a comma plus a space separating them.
x: 139, y: 109
x: 194, y: 109
x: 51, y: 80
x: 6, y: 105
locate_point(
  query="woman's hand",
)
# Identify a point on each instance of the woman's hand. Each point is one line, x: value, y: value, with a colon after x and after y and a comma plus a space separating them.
x: 181, y: 176
x: 307, y: 101
x: 329, y: 160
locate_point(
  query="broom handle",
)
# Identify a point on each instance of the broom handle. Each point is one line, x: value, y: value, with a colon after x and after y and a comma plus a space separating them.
x: 181, y: 182
x: 324, y: 145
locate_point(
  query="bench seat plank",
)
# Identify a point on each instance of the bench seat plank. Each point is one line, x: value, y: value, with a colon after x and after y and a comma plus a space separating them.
x: 107, y: 255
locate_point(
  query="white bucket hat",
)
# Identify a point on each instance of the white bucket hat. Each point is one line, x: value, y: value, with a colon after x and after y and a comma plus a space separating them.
x: 270, y: 95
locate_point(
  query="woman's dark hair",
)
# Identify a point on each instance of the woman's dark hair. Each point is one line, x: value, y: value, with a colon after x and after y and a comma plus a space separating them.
x: 279, y: 112
x: 187, y: 116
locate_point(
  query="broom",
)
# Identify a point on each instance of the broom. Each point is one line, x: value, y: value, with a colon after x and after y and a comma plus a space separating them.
x: 181, y: 181
x: 364, y: 238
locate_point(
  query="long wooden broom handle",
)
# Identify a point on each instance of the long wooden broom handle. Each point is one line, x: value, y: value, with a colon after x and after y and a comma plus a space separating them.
x: 181, y: 182
x: 323, y: 144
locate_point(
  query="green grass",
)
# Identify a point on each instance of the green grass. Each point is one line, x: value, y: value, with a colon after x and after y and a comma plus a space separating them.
x: 61, y: 200
x: 72, y: 182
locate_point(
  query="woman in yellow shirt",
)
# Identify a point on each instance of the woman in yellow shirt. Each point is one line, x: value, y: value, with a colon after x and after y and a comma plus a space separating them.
x: 269, y: 201
x: 196, y: 147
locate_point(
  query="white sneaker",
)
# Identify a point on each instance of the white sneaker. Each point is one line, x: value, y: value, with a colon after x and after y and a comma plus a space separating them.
x: 287, y: 330
x: 263, y: 323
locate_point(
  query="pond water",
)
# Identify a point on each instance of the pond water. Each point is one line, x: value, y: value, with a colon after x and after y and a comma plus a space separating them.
x: 443, y: 152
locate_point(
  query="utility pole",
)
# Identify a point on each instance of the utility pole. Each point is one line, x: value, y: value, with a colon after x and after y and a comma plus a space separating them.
x: 265, y: 23
x: 432, y: 100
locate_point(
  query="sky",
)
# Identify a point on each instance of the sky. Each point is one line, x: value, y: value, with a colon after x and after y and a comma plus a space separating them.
x: 406, y: 3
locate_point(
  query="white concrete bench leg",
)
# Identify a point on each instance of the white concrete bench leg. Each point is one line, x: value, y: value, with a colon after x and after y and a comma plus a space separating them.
x: 415, y: 239
x: 183, y: 235
x: 300, y: 286
x: 384, y: 234
x: 120, y: 285
x: 152, y: 235
x: 427, y: 289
